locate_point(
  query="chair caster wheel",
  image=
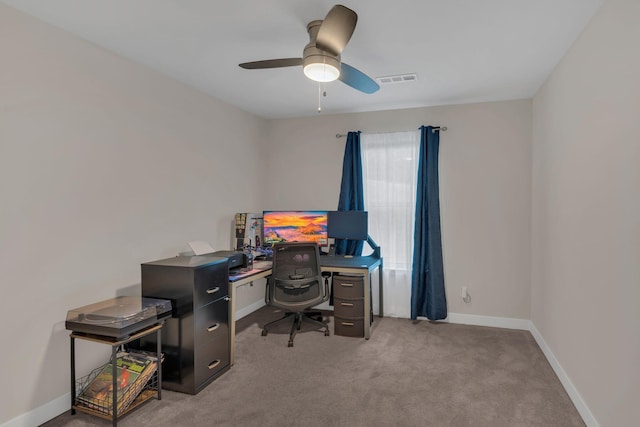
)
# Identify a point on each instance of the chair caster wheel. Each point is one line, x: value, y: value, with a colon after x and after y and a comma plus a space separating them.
x: 290, y: 344
x: 264, y: 333
x: 326, y: 333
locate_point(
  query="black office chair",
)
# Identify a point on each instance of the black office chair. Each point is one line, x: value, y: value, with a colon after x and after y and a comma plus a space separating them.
x: 296, y: 285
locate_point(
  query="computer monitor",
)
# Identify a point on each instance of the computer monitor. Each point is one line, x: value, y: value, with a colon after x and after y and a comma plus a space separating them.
x: 295, y: 226
x: 348, y: 225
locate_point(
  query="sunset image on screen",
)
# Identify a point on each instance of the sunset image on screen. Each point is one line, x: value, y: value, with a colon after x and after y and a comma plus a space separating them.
x: 295, y: 226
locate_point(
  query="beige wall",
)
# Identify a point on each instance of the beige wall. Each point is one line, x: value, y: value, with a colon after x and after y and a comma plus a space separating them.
x: 586, y: 214
x: 485, y: 190
x: 103, y: 165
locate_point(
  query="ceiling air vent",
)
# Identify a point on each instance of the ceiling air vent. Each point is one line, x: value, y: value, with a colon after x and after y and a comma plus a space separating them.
x: 401, y: 78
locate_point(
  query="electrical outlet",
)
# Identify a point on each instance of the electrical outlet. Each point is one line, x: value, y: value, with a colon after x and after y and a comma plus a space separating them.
x: 464, y: 293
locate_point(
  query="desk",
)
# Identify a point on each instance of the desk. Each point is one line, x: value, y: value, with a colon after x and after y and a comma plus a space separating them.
x: 357, y: 265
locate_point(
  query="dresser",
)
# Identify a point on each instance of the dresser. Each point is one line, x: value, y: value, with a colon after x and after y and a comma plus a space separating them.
x: 196, y: 338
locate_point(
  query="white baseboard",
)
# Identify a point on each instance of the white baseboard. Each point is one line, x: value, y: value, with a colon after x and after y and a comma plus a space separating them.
x: 42, y: 414
x: 249, y: 309
x: 571, y: 390
x: 494, y: 322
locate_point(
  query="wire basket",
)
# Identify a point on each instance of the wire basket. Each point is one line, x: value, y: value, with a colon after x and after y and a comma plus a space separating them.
x: 95, y: 393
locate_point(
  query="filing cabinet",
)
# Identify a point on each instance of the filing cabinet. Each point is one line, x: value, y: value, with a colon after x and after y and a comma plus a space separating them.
x: 348, y: 305
x: 196, y: 339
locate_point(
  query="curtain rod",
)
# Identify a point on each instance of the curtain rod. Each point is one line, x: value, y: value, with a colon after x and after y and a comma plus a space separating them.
x: 435, y: 128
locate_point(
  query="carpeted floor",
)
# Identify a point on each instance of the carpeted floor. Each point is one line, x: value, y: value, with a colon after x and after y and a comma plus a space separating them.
x: 410, y: 373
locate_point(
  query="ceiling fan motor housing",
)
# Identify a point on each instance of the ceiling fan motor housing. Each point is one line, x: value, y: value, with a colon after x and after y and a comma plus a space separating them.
x: 313, y: 55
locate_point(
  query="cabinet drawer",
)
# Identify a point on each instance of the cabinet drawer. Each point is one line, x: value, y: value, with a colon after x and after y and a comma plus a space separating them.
x: 211, y: 358
x: 348, y: 287
x: 348, y: 309
x: 212, y: 321
x: 210, y: 285
x: 349, y: 327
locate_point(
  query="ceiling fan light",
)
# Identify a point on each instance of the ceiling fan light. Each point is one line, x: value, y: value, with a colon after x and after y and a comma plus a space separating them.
x: 321, y: 72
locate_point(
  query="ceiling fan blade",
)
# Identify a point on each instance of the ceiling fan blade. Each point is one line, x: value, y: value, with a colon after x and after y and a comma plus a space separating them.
x: 272, y: 63
x: 336, y: 29
x: 357, y: 79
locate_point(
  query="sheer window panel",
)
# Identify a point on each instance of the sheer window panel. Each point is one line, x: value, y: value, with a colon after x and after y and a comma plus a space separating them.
x: 389, y: 169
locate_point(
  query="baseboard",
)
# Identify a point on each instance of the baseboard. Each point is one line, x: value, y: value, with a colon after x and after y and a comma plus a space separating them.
x: 249, y: 309
x: 571, y: 390
x: 494, y: 322
x: 41, y: 414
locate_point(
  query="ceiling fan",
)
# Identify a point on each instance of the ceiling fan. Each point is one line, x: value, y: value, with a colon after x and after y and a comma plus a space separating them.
x: 321, y: 56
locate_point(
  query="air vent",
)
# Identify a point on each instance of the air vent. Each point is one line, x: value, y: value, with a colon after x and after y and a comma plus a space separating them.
x: 401, y: 78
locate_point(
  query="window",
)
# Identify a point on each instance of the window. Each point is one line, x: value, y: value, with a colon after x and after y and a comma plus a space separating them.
x: 389, y: 172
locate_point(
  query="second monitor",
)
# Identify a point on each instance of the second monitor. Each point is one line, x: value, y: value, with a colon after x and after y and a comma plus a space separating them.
x: 348, y: 225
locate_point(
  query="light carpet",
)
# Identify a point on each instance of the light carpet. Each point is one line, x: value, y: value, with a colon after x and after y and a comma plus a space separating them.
x: 410, y: 373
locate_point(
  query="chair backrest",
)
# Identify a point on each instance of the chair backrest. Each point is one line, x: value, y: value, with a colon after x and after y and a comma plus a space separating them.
x: 296, y: 281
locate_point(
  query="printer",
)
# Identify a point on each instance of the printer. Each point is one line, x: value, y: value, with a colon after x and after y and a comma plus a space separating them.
x: 237, y: 259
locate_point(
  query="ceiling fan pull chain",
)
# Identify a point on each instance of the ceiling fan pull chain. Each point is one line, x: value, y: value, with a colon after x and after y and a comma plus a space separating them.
x: 319, y: 97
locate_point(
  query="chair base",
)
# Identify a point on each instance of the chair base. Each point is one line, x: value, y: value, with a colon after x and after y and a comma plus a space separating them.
x: 298, y: 317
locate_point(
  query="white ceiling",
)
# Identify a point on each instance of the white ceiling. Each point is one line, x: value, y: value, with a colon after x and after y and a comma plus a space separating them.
x: 463, y: 51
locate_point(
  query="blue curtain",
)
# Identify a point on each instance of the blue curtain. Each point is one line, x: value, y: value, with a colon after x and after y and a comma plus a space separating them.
x: 351, y: 191
x: 427, y: 282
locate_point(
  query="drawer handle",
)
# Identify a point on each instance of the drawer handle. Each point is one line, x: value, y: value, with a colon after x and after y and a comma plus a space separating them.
x: 214, y: 364
x: 346, y: 304
x: 347, y: 323
x: 346, y: 285
x: 213, y: 327
x: 213, y: 290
